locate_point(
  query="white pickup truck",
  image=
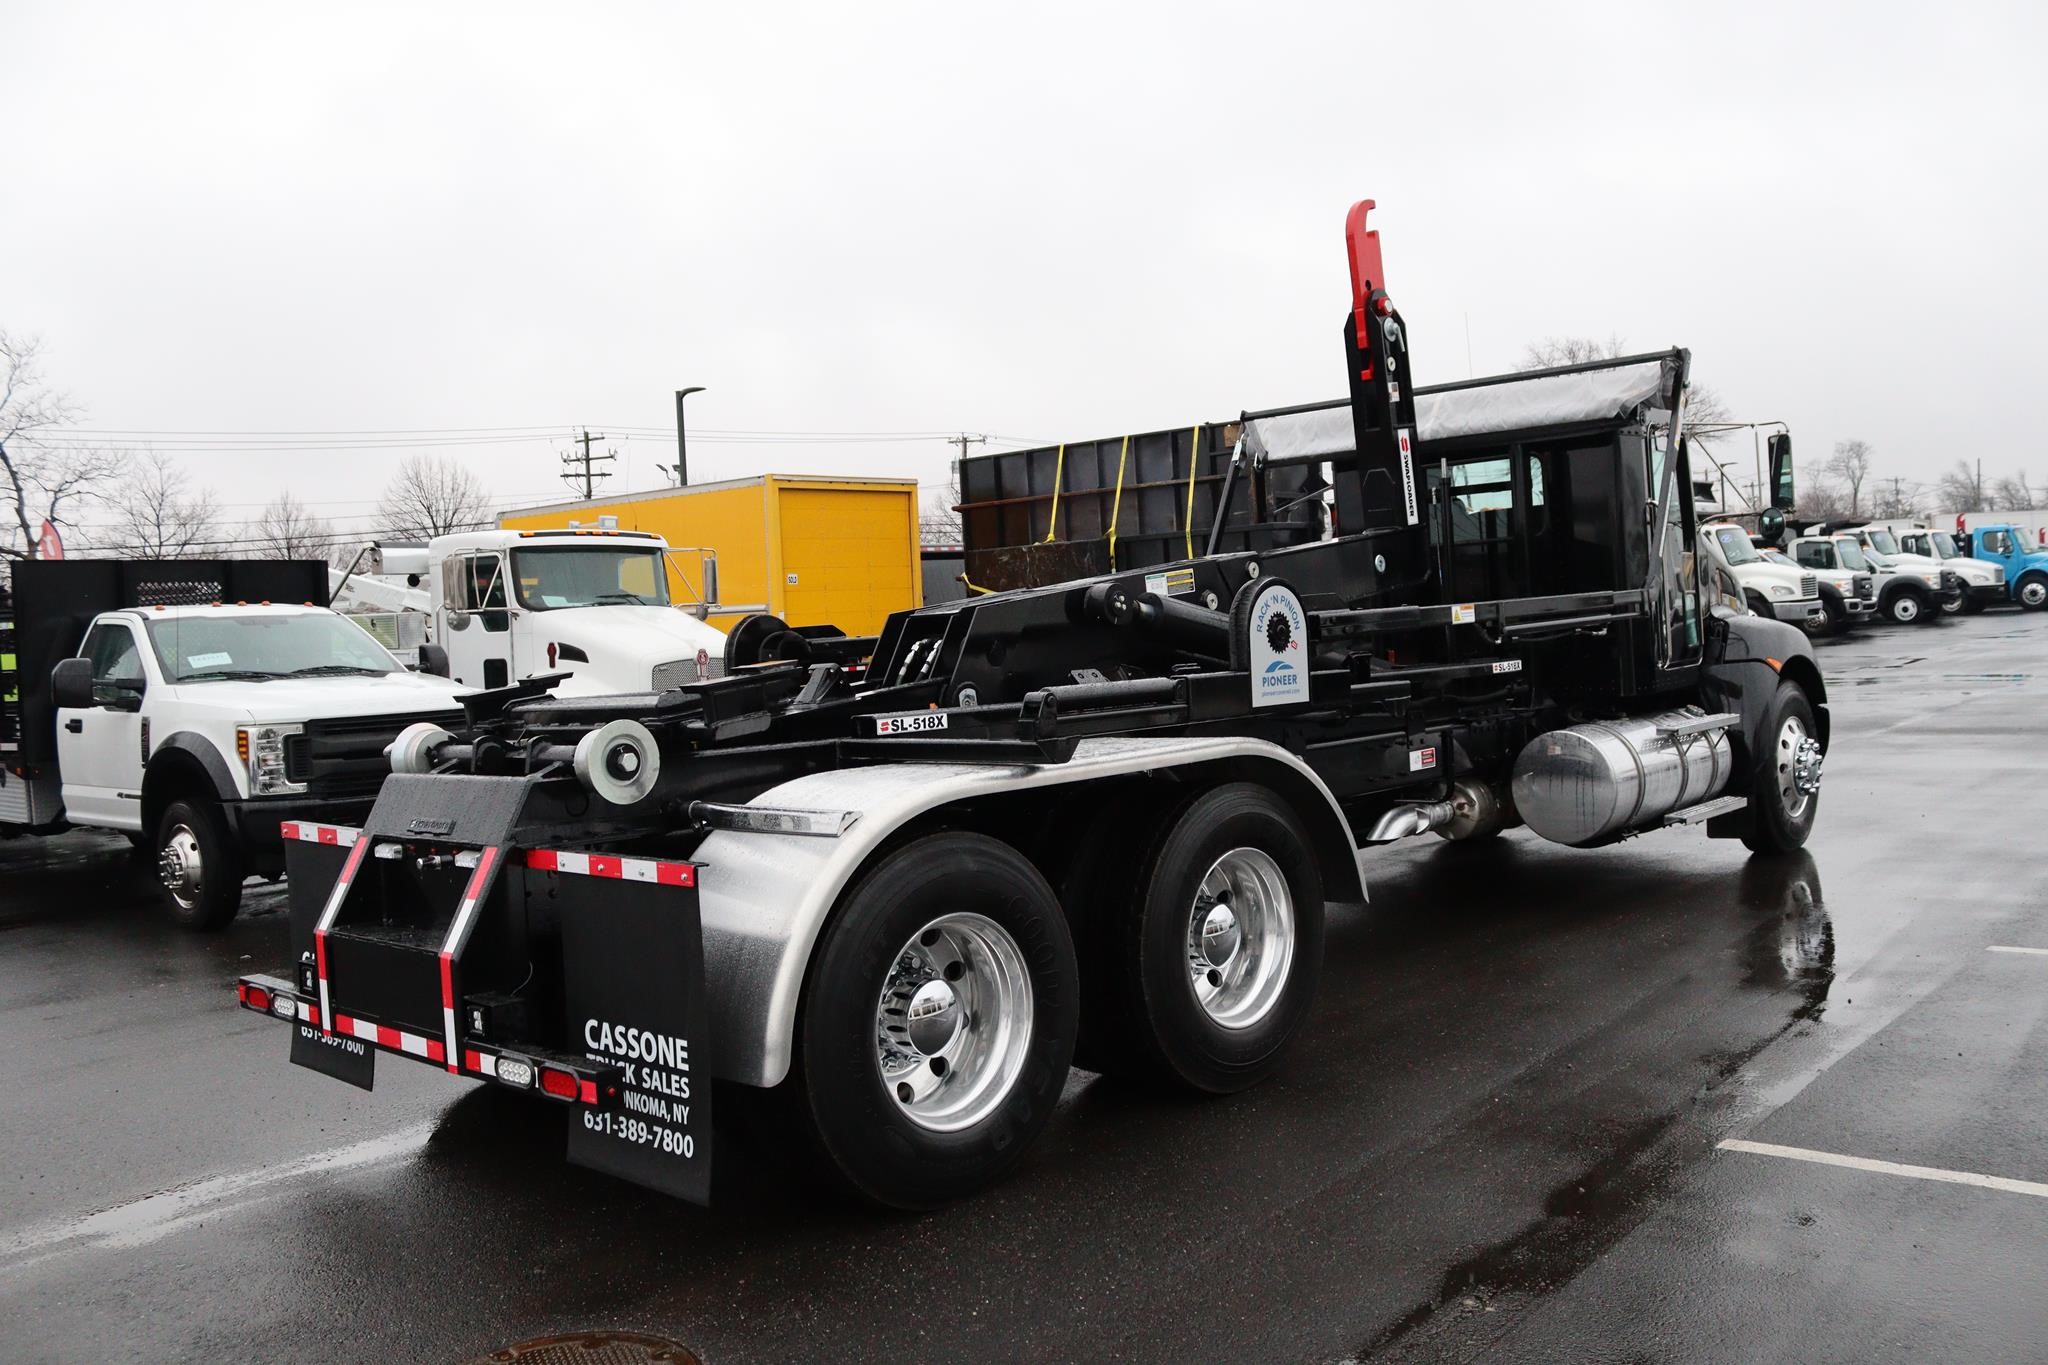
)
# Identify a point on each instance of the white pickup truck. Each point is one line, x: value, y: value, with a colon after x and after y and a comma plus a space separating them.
x: 199, y: 731
x: 1982, y: 584
x: 595, y: 604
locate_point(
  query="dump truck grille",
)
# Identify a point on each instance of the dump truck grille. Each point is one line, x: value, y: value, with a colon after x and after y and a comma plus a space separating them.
x: 346, y: 757
x: 676, y: 672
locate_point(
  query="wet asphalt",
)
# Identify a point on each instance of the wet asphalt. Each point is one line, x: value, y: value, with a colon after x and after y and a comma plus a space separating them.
x: 1496, y: 1140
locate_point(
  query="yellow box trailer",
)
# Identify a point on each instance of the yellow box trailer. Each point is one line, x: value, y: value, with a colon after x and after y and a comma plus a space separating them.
x: 811, y: 549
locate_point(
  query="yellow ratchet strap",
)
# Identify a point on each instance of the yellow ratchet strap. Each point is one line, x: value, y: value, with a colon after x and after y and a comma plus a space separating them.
x: 972, y: 586
x: 1116, y: 503
x: 1059, y: 476
x: 1194, y: 461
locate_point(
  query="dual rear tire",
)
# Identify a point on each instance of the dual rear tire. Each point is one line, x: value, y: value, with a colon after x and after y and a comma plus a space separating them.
x: 946, y: 995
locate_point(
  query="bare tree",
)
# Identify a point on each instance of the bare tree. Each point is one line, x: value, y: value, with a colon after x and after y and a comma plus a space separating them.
x: 1821, y: 496
x: 1849, y: 467
x: 287, y: 530
x: 1962, y: 488
x: 159, y: 515
x: 432, y: 496
x: 1704, y: 408
x: 1895, y: 497
x: 39, y: 480
x: 2015, y: 494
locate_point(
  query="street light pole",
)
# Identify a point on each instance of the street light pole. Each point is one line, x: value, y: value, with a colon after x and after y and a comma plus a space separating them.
x: 682, y: 436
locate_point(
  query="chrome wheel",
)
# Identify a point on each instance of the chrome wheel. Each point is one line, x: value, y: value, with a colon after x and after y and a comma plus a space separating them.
x: 1240, y: 938
x: 953, y: 1025
x: 1798, y: 767
x: 181, y: 867
x: 2034, y: 594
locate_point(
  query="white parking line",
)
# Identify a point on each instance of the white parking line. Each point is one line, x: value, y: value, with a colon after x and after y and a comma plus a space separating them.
x: 2033, y: 952
x: 1863, y: 1163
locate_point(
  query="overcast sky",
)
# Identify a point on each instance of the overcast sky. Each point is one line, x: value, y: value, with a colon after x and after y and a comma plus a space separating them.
x: 1055, y: 222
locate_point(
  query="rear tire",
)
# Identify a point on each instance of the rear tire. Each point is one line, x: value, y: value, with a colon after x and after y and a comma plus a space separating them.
x: 938, y: 1021
x: 1214, y: 965
x: 1782, y: 807
x: 199, y: 864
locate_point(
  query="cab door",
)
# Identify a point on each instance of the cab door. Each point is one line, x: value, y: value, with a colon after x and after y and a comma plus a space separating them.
x: 474, y: 605
x: 100, y: 747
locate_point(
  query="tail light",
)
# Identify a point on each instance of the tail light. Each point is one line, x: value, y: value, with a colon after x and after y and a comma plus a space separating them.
x: 255, y: 997
x: 560, y: 1084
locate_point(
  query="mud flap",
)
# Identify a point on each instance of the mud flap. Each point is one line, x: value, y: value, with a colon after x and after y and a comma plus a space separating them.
x: 633, y: 985
x: 311, y: 870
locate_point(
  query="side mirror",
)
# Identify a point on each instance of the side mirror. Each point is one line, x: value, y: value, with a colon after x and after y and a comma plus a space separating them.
x: 1782, y: 494
x: 71, y: 684
x: 458, y: 620
x: 1770, y: 525
x: 434, y: 660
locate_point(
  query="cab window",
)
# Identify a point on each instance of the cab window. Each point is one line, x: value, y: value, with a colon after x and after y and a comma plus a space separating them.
x: 1999, y: 542
x: 1814, y: 554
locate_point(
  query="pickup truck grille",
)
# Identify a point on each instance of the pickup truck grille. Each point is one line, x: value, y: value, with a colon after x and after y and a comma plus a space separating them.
x: 1862, y: 585
x: 346, y: 757
x: 1808, y: 585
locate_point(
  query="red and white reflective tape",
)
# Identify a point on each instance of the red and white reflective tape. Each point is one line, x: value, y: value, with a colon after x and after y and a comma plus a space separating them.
x: 398, y: 1040
x: 458, y: 933
x: 657, y: 871
x: 309, y: 1013
x: 334, y: 900
x: 340, y: 835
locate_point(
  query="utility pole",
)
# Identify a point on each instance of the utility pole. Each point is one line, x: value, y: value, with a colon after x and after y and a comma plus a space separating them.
x: 963, y: 440
x: 583, y: 468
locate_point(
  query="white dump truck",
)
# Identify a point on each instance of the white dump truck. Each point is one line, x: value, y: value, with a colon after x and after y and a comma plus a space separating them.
x: 1773, y: 590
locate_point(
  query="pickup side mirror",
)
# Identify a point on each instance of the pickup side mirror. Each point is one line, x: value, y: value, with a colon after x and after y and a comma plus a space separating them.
x: 1782, y: 494
x: 434, y: 660
x: 71, y: 684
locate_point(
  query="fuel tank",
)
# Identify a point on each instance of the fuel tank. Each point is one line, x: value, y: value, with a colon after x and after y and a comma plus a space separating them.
x: 1590, y: 782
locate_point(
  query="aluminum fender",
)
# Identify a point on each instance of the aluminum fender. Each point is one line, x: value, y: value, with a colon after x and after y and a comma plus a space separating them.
x: 764, y: 897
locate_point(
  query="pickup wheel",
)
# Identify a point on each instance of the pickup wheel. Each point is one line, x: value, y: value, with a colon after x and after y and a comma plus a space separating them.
x: 1215, y: 963
x: 1906, y: 608
x: 2033, y: 592
x: 939, y: 1019
x: 1785, y: 790
x: 199, y: 863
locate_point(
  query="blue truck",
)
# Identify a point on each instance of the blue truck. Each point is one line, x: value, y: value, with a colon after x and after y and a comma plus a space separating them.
x: 2014, y: 549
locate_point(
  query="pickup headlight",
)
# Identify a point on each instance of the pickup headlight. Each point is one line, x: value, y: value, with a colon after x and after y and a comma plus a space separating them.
x: 261, y: 749
x: 1780, y: 590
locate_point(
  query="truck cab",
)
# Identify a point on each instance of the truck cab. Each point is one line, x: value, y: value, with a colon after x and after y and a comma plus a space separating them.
x: 2012, y: 550
x: 1882, y: 548
x: 594, y: 604
x: 1982, y: 583
x: 1847, y: 581
x: 201, y: 731
x: 1786, y: 594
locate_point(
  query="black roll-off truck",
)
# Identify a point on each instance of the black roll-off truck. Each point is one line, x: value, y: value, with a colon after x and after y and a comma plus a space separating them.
x: 906, y: 877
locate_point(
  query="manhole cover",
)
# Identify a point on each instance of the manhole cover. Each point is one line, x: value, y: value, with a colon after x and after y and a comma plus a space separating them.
x: 592, y: 1348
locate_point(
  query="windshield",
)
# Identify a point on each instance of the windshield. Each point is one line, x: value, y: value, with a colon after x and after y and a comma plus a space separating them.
x: 1881, y: 541
x: 588, y: 576
x: 1735, y: 546
x: 1944, y: 545
x: 1850, y: 552
x: 1779, y: 557
x: 298, y: 644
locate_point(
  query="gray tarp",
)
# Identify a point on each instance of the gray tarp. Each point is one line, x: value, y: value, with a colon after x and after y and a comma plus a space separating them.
x: 1541, y: 400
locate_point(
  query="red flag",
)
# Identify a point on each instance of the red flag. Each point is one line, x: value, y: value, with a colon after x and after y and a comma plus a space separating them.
x: 49, y: 545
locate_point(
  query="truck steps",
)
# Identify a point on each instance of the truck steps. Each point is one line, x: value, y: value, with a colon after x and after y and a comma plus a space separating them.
x: 1706, y: 810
